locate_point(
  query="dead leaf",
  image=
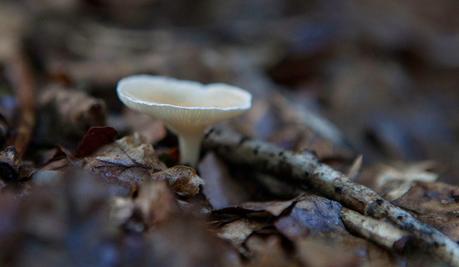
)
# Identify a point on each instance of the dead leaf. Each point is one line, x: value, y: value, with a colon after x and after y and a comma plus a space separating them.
x: 72, y: 112
x: 155, y: 202
x: 343, y: 250
x: 95, y: 138
x: 220, y: 189
x: 355, y: 168
x: 67, y: 218
x: 274, y: 208
x: 57, y: 159
x: 9, y: 164
x: 434, y: 203
x: 185, y: 241
x: 74, y: 108
x: 121, y: 209
x: 238, y: 231
x: 311, y: 215
x: 419, y: 171
x: 268, y: 211
x: 126, y: 162
x: 269, y: 253
x: 182, y: 179
x: 12, y: 168
x: 394, y: 181
x: 318, y: 253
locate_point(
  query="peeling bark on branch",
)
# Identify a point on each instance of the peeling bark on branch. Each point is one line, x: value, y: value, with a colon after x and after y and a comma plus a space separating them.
x: 305, y: 167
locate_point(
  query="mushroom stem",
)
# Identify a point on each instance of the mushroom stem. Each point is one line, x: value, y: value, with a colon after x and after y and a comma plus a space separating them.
x: 190, y: 147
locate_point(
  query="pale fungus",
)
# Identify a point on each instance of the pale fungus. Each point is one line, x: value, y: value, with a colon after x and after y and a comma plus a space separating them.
x: 187, y: 108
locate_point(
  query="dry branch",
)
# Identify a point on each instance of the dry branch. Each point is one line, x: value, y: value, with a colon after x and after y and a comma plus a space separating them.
x: 23, y: 79
x: 378, y: 231
x: 305, y: 167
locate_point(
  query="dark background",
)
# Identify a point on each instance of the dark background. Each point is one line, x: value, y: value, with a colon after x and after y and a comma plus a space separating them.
x: 386, y: 73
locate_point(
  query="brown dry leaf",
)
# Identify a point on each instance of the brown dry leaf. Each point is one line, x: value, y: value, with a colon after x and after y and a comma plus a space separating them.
x: 419, y: 171
x: 121, y: 210
x: 269, y: 253
x: 343, y: 251
x: 56, y: 161
x: 394, y: 181
x: 95, y: 138
x: 355, y: 168
x: 153, y: 205
x: 185, y: 241
x: 274, y: 208
x: 65, y: 224
x: 220, y: 189
x: 434, y: 203
x: 267, y: 211
x: 59, y: 224
x: 14, y: 172
x: 128, y: 162
x: 155, y: 202
x: 182, y: 179
x: 313, y: 224
x: 9, y: 164
x: 59, y: 158
x: 238, y: 231
x: 72, y: 112
x: 318, y: 253
x: 311, y: 215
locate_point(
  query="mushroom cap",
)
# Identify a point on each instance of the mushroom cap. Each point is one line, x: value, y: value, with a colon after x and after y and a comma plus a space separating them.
x: 183, y: 105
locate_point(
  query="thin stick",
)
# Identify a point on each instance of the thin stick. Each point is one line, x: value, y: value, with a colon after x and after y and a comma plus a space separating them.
x: 24, y: 81
x: 305, y: 167
x: 381, y: 232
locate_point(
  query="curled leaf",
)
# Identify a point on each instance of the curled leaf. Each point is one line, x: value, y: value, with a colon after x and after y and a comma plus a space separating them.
x: 182, y: 179
x: 95, y: 138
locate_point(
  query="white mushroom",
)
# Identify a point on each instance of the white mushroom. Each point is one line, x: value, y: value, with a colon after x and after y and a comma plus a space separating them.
x: 187, y: 108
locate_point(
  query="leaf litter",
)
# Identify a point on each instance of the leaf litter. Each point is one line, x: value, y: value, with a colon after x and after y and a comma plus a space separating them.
x: 101, y: 186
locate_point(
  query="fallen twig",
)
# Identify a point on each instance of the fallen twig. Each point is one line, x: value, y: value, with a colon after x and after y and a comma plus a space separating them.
x: 305, y: 167
x: 378, y: 231
x: 22, y: 78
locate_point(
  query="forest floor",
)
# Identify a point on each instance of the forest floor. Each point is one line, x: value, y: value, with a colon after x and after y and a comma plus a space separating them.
x: 360, y: 96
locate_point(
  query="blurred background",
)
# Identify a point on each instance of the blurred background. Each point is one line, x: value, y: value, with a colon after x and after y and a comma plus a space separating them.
x: 343, y: 78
